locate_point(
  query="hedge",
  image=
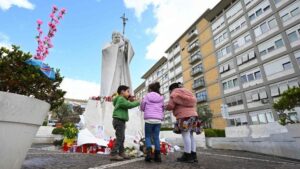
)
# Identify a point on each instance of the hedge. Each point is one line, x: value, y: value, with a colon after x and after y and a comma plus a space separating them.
x: 214, y: 133
x: 58, y: 131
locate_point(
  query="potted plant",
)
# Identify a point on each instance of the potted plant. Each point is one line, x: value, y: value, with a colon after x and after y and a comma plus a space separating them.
x: 28, y: 90
x: 70, y: 134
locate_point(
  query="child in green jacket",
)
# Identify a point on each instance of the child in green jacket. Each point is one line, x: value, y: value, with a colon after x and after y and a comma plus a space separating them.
x: 120, y: 117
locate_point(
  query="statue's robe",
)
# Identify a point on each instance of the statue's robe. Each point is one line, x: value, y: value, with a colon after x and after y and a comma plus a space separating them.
x: 115, y: 67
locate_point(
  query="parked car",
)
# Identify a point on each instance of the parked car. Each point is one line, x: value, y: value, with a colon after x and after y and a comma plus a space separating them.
x: 52, y: 123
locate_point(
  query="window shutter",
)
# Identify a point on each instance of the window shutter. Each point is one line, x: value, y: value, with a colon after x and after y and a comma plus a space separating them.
x: 274, y: 91
x: 283, y: 87
x: 251, y: 55
x: 255, y: 97
x: 263, y: 95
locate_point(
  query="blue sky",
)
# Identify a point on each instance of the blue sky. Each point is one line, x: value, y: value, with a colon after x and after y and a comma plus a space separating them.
x: 87, y: 27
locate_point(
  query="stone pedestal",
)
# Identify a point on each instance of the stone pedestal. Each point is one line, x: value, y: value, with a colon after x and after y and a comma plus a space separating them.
x: 98, y: 117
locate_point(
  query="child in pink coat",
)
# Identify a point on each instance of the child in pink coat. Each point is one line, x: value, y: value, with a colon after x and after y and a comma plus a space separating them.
x: 183, y: 104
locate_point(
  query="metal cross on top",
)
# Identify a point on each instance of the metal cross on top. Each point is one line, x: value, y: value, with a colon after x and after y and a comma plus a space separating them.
x: 124, y: 19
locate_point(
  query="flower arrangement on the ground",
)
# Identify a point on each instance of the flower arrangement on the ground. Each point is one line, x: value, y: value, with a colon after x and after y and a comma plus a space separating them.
x: 70, y: 134
x: 102, y: 99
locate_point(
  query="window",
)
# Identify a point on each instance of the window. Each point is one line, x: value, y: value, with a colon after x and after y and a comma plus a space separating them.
x: 256, y: 95
x: 257, y: 75
x: 230, y: 84
x: 259, y: 10
x: 234, y: 11
x: 241, y: 41
x: 287, y: 65
x: 223, y: 52
x: 294, y: 35
x: 196, y: 55
x: 218, y: 24
x: 295, y: 12
x: 279, y: 88
x: 247, y: 38
x: 249, y: 3
x: 237, y: 26
x: 226, y: 67
x: 221, y: 37
x: 270, y: 117
x: 200, y: 80
x: 251, y: 76
x: 254, y: 119
x: 290, y: 13
x: 246, y: 57
x: 201, y: 96
x: 270, y: 46
x: 278, y: 66
x: 279, y: 43
x: 272, y: 23
x: 234, y: 100
x: 262, y: 117
x: 193, y: 45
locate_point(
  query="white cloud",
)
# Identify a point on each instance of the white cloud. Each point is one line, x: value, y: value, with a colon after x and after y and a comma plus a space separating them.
x: 4, y: 41
x: 79, y: 89
x: 6, y: 4
x: 173, y: 18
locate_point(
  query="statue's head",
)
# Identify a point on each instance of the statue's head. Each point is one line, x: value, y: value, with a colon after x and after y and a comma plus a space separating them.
x: 116, y: 37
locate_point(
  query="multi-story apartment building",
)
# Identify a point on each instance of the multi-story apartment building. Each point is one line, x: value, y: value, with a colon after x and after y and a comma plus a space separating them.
x: 199, y: 67
x: 162, y: 71
x: 240, y: 55
x: 140, y: 91
x: 257, y: 45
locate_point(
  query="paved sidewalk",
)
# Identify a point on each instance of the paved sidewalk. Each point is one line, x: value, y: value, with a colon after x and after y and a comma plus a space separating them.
x: 208, y: 159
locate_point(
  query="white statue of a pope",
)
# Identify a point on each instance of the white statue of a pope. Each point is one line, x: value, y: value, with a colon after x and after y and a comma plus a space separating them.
x: 116, y: 57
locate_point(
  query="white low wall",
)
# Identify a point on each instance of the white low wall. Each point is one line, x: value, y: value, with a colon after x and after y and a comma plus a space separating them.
x: 176, y: 139
x: 281, y: 144
x: 255, y: 131
x: 44, y: 135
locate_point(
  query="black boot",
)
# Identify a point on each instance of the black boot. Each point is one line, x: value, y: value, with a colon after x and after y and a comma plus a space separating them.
x: 186, y: 158
x: 194, y: 156
x: 148, y: 155
x: 157, y: 156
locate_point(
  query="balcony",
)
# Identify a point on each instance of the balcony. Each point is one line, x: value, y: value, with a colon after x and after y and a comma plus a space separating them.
x: 195, y: 57
x: 201, y: 99
x: 196, y: 71
x: 198, y: 85
x: 192, y: 35
x: 195, y: 45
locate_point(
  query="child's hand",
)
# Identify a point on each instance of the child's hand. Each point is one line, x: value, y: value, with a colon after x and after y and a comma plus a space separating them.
x: 132, y: 98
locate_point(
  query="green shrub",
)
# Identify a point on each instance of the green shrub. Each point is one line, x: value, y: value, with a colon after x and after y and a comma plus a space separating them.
x: 166, y: 129
x: 58, y: 131
x: 214, y: 133
x: 220, y: 132
x: 69, y: 125
x: 45, y: 123
x: 58, y: 142
x: 210, y: 133
x: 18, y: 77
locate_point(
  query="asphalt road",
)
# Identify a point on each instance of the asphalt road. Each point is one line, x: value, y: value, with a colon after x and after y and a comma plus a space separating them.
x: 208, y: 159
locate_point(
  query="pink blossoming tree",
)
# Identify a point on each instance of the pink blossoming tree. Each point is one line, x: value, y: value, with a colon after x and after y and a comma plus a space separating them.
x: 44, y: 44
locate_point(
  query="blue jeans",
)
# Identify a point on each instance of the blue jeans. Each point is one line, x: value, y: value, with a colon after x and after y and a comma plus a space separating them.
x: 152, y: 132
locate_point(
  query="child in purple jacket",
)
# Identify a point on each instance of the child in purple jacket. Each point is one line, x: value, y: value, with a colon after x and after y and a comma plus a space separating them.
x: 152, y: 106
